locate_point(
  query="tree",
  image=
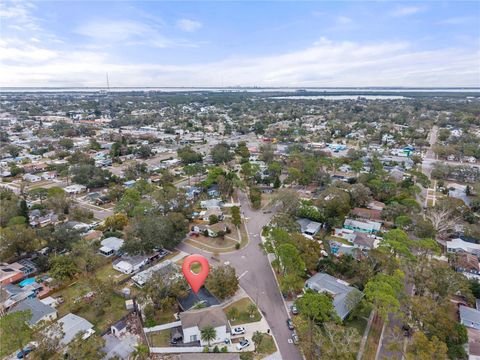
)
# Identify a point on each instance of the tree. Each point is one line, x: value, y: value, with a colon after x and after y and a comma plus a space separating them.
x: 141, y: 352
x: 63, y: 238
x: 189, y: 156
x: 221, y: 153
x: 130, y: 199
x: 144, y: 151
x: 15, y: 328
x: 421, y: 348
x: 338, y: 342
x: 62, y: 267
x: 383, y: 291
x: 251, y: 309
x: 90, y: 348
x: 116, y: 222
x: 49, y: 346
x: 16, y: 239
x: 222, y: 281
x: 236, y: 217
x: 162, y: 292
x: 316, y: 307
x: 267, y: 153
x: 290, y: 259
x: 233, y: 313
x: 208, y: 333
x: 289, y: 199
x: 257, y: 339
x: 38, y: 194
x: 443, y: 217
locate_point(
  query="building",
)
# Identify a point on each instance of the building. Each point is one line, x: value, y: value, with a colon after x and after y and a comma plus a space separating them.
x: 40, y: 311
x: 166, y: 268
x: 130, y: 264
x: 366, y: 226
x: 194, y: 321
x: 309, y: 227
x: 110, y: 246
x: 75, y: 189
x: 32, y: 178
x: 120, y: 328
x: 459, y: 245
x: 11, y: 273
x: 72, y: 325
x: 469, y: 317
x: 359, y: 240
x: 345, y: 297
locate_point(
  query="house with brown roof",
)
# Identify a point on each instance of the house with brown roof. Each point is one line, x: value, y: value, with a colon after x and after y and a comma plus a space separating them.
x: 195, y: 320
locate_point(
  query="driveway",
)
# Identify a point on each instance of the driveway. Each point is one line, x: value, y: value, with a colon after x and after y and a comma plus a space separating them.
x: 122, y: 347
x: 257, y: 279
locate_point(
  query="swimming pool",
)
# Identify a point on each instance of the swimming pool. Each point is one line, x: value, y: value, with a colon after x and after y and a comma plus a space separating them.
x: 26, y: 282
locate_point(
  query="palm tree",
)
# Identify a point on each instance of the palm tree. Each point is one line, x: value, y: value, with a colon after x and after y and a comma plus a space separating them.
x: 233, y: 313
x: 257, y: 339
x: 141, y: 352
x: 251, y: 308
x: 208, y: 333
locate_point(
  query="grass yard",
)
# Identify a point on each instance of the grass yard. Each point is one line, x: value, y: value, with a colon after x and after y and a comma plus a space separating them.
x: 108, y: 272
x: 113, y: 313
x: 243, y: 317
x: 267, y: 346
x: 373, y: 339
x: 159, y: 338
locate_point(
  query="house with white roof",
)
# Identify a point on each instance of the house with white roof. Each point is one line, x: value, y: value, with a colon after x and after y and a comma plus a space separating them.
x: 459, y: 245
x: 110, y: 246
x: 72, y: 325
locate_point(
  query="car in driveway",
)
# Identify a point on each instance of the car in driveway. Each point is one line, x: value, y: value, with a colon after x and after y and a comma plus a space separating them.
x: 243, y: 344
x: 290, y: 324
x: 294, y: 310
x: 26, y: 350
x: 238, y: 330
x: 295, y: 338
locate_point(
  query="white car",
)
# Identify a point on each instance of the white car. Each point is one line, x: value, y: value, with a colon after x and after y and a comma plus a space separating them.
x: 243, y: 344
x: 238, y: 330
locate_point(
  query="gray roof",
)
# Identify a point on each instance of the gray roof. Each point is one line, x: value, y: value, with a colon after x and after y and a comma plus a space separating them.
x: 469, y: 314
x: 38, y: 309
x: 72, y: 325
x: 113, y: 243
x: 338, y: 289
x: 309, y: 226
x: 213, y: 316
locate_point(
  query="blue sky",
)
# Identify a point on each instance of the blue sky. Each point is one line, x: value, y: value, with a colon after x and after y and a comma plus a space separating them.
x: 276, y: 43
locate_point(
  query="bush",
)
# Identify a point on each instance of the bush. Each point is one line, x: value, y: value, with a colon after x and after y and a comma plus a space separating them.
x: 224, y: 349
x: 216, y: 349
x: 237, y: 246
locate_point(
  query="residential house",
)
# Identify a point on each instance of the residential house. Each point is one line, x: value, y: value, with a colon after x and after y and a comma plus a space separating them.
x: 362, y: 241
x: 110, y: 246
x: 309, y: 227
x: 467, y: 264
x: 368, y: 214
x: 469, y: 317
x: 92, y: 235
x: 32, y: 178
x: 210, y: 230
x: 75, y: 189
x: 366, y: 226
x: 459, y: 245
x: 130, y: 264
x: 376, y: 205
x: 195, y: 320
x: 212, y: 203
x: 72, y: 325
x: 48, y: 175
x: 40, y: 311
x: 166, y: 268
x: 11, y: 273
x: 205, y: 214
x: 345, y: 297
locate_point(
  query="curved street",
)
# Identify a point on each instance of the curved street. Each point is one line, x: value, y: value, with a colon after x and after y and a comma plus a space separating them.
x: 257, y: 278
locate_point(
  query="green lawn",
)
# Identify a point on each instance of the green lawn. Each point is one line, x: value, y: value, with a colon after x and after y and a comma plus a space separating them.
x: 108, y: 272
x: 267, y: 346
x: 165, y: 317
x: 159, y: 338
x: 244, y: 317
x: 102, y: 321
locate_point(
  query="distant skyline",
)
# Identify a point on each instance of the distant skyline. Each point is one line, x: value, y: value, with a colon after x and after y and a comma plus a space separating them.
x: 228, y: 44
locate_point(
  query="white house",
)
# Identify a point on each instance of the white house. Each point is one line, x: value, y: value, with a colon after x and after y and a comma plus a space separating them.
x: 195, y: 320
x: 75, y: 189
x: 72, y: 325
x: 32, y: 178
x: 48, y: 175
x: 130, y: 264
x: 459, y: 245
x: 110, y: 246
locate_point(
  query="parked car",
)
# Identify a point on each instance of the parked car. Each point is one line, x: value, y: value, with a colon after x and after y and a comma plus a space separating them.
x: 294, y: 310
x: 290, y: 324
x: 26, y: 350
x: 238, y: 330
x: 295, y: 338
x: 243, y: 344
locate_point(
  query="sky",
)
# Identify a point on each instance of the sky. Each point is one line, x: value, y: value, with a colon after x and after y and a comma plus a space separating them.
x: 227, y: 43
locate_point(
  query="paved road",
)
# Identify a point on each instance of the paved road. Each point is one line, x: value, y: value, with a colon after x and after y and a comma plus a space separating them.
x: 257, y: 278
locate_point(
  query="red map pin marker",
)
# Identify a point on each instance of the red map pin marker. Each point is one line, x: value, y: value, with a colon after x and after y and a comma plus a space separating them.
x: 195, y: 280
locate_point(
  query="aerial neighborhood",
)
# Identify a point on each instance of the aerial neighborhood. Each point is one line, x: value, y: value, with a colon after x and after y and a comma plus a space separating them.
x: 334, y: 229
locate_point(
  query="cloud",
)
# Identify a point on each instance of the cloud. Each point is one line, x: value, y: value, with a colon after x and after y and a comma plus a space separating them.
x: 460, y: 20
x: 189, y: 25
x: 325, y: 63
x: 406, y: 11
x: 344, y: 20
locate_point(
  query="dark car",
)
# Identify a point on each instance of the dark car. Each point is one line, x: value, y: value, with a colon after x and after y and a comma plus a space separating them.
x: 22, y: 353
x: 290, y: 324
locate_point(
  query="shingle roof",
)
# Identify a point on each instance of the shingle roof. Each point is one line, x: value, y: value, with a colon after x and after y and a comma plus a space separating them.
x: 469, y: 314
x: 72, y: 325
x: 38, y: 309
x: 213, y: 316
x: 339, y: 290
